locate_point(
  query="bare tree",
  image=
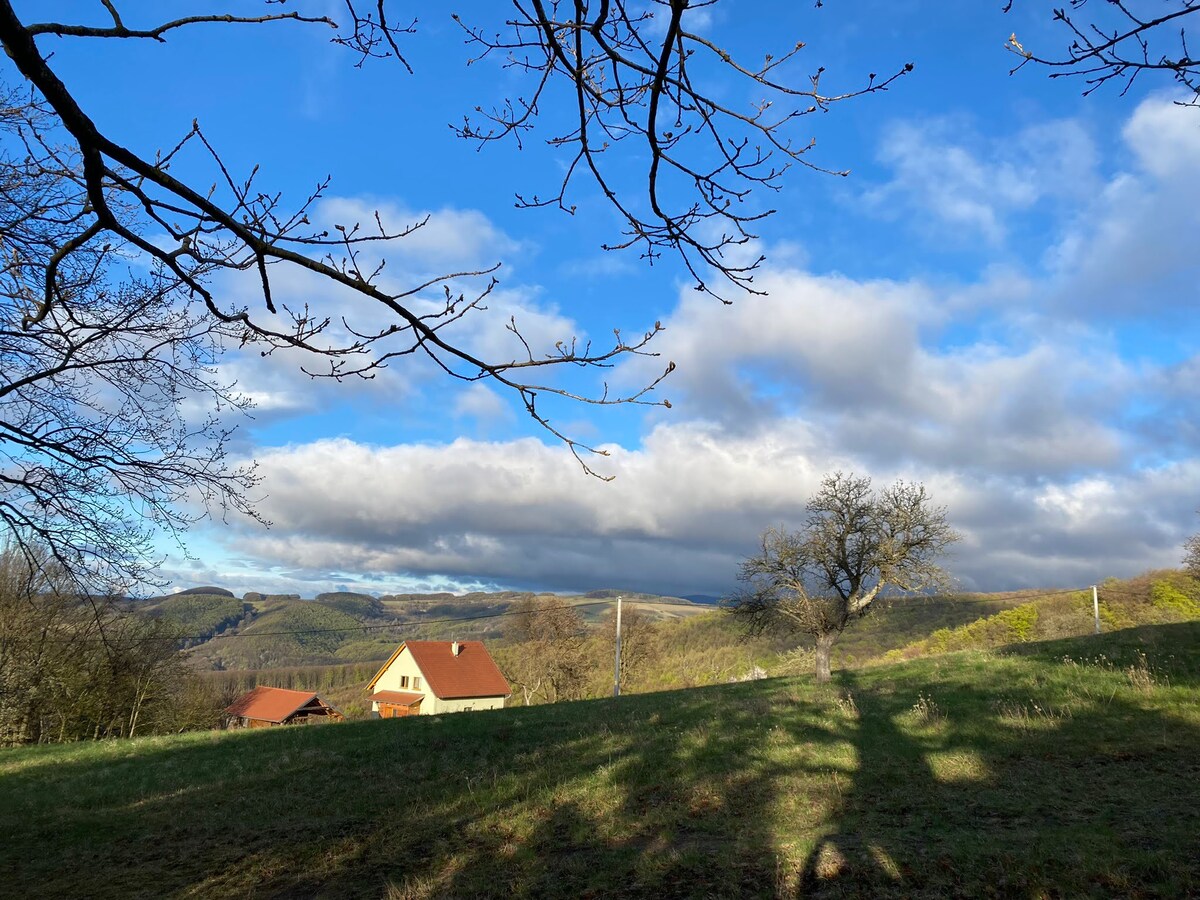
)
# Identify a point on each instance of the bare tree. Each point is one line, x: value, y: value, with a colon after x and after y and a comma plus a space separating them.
x: 639, y: 641
x: 629, y: 81
x: 1119, y: 42
x: 856, y: 544
x: 1191, y: 557
x: 98, y: 451
x: 99, y: 357
x: 74, y: 667
x: 548, y: 660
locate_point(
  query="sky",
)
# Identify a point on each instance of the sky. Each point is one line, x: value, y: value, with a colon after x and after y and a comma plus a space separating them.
x: 998, y: 301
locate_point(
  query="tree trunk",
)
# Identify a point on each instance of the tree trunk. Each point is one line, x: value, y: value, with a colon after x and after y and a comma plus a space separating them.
x: 824, y: 645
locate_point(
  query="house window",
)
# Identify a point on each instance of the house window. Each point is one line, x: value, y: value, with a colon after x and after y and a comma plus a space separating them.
x: 416, y: 683
x: 403, y: 681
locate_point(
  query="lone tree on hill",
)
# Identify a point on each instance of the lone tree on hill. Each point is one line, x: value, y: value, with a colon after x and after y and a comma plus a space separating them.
x: 855, y: 544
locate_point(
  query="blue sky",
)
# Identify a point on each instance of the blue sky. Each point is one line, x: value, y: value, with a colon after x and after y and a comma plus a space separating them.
x: 999, y: 301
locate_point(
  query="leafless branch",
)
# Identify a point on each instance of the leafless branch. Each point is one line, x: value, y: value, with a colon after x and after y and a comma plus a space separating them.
x: 1119, y: 45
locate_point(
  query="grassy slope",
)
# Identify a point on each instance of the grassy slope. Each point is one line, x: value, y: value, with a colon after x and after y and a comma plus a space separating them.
x: 1050, y: 771
x: 1154, y: 598
x: 903, y: 620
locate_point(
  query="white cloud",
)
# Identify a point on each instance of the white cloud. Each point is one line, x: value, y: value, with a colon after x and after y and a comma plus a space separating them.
x: 1061, y: 457
x: 1131, y: 249
x: 449, y: 236
x: 480, y: 402
x: 683, y: 510
x: 863, y: 359
x: 945, y: 178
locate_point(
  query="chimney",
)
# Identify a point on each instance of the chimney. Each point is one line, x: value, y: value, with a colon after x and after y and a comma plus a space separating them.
x: 455, y: 648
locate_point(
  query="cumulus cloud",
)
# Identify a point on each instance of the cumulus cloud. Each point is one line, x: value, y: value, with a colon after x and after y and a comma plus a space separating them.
x: 446, y: 236
x: 864, y: 359
x: 685, y: 508
x: 1062, y: 457
x: 1130, y: 250
x: 480, y: 402
x: 954, y: 184
x: 511, y: 321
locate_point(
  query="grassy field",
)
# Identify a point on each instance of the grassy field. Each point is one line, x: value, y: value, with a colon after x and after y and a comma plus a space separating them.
x: 1066, y: 768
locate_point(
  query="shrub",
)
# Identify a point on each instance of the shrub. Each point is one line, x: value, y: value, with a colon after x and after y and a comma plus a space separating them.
x: 1169, y: 596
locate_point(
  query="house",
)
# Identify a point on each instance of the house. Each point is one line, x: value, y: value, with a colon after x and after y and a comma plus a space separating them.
x: 265, y: 706
x: 431, y: 677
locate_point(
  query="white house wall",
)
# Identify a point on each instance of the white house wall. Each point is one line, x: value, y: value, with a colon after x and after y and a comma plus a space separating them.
x: 439, y: 706
x: 402, y: 665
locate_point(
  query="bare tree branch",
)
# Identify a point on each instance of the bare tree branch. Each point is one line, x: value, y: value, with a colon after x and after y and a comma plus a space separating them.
x: 1119, y: 44
x: 630, y: 84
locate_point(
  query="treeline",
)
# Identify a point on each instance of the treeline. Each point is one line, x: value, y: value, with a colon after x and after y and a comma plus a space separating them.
x: 78, y: 667
x: 295, y: 678
x: 550, y: 654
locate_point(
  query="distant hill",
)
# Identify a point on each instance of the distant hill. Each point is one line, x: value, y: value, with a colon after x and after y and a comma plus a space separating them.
x: 198, y: 615
x: 213, y: 591
x: 344, y: 627
x: 348, y: 627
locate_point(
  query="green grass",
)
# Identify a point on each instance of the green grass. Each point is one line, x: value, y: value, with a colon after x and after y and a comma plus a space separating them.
x: 1063, y: 769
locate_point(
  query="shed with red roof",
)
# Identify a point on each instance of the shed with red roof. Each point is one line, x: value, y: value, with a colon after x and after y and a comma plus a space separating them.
x: 265, y: 706
x: 431, y: 677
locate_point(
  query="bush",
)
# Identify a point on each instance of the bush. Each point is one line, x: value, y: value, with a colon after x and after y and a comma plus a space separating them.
x: 1172, y: 596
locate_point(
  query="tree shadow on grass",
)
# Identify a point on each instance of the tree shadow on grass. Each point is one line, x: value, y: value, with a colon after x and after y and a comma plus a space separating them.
x: 683, y: 810
x: 771, y: 788
x: 975, y: 793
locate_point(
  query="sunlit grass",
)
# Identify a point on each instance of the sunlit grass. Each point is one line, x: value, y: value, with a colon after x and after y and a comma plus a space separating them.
x: 1066, y: 769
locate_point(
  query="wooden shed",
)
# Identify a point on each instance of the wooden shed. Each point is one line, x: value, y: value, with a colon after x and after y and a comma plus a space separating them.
x: 266, y: 706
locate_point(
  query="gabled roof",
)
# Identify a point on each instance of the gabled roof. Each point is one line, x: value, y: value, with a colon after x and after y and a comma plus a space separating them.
x: 271, y: 704
x: 471, y: 673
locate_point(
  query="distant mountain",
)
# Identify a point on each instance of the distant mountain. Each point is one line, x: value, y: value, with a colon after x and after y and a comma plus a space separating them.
x: 705, y: 599
x: 210, y: 591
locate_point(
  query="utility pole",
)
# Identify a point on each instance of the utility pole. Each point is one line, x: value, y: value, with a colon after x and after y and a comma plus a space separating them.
x: 1096, y: 607
x: 617, y: 664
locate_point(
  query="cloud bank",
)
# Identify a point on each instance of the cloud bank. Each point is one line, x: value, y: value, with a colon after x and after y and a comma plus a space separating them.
x: 1020, y: 398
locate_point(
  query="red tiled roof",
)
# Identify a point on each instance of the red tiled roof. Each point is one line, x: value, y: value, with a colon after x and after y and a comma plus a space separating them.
x: 471, y: 673
x: 270, y: 704
x: 404, y: 698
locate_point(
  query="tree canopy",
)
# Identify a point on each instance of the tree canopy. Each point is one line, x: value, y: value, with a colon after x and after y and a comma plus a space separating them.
x: 855, y: 544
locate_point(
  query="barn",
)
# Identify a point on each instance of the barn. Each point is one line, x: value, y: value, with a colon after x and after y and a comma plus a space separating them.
x: 266, y: 706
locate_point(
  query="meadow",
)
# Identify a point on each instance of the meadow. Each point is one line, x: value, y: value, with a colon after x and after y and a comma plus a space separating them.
x: 1059, y: 768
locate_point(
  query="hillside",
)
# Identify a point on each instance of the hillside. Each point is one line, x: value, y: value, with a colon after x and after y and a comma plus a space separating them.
x: 1059, y: 769
x: 199, y: 614
x: 1154, y: 598
x: 260, y: 631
